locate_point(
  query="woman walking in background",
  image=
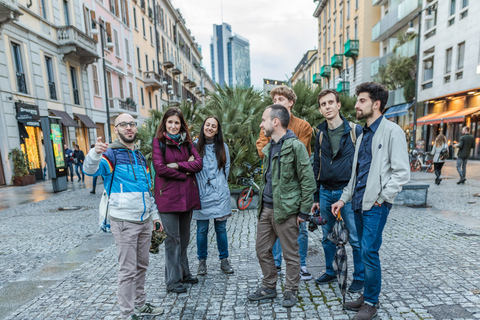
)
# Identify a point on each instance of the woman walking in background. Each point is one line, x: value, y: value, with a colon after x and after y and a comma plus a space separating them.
x: 214, y: 193
x: 176, y: 193
x: 439, y: 156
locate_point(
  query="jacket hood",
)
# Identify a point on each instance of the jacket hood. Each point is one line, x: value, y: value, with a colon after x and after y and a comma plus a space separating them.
x: 286, y: 136
x: 117, y: 144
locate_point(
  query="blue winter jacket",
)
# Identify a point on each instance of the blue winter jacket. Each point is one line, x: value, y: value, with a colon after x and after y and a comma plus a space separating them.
x: 130, y: 198
x: 213, y: 187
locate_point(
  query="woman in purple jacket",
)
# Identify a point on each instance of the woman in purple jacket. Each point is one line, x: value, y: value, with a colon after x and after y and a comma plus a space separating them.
x: 176, y: 193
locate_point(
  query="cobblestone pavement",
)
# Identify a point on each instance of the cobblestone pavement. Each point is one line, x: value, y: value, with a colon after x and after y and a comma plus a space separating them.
x: 431, y: 265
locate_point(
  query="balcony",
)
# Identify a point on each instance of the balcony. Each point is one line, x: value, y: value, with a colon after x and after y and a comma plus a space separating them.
x: 199, y: 91
x: 397, y: 18
x: 118, y: 106
x: 375, y: 66
x: 192, y: 83
x: 76, y: 97
x: 379, y: 2
x: 408, y: 49
x: 168, y: 61
x: 337, y: 61
x: 186, y: 80
x: 74, y: 42
x: 152, y: 80
x: 174, y: 100
x: 142, y: 5
x: 343, y: 86
x: 325, y: 71
x: 351, y: 48
x: 8, y: 11
x: 177, y: 70
x: 317, y: 78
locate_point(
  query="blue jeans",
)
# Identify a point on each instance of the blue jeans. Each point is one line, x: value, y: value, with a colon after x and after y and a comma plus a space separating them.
x: 327, y: 198
x: 302, y: 243
x: 370, y: 226
x: 70, y: 170
x: 81, y: 170
x: 202, y: 238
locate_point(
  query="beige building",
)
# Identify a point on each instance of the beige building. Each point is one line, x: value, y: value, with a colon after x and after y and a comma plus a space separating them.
x: 306, y: 68
x: 345, y: 46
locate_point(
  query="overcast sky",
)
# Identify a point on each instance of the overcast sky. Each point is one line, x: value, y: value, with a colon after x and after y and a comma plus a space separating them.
x: 279, y: 31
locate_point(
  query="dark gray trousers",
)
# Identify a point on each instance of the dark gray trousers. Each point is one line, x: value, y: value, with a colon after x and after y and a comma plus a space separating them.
x: 462, y: 167
x: 177, y: 227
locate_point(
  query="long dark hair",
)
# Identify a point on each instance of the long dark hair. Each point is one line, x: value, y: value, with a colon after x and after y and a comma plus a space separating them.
x: 174, y: 111
x: 218, y: 143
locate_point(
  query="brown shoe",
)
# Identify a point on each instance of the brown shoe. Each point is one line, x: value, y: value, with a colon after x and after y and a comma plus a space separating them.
x: 367, y: 312
x: 354, y: 305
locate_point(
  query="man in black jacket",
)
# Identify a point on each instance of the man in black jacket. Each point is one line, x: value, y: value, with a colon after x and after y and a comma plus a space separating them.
x: 334, y: 151
x: 78, y: 158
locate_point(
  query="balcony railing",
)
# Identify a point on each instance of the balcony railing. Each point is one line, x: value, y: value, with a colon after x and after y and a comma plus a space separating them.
x: 317, y: 78
x: 177, y: 69
x: 396, y: 19
x: 408, y: 49
x: 75, y: 42
x: 52, y: 89
x: 375, y: 66
x: 175, y: 100
x: 343, y: 86
x: 118, y: 106
x: 351, y: 48
x: 326, y: 71
x: 152, y: 80
x: 337, y: 61
x: 21, y: 84
x: 76, y: 97
x: 168, y: 61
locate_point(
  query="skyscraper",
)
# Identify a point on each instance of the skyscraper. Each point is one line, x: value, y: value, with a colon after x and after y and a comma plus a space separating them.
x: 230, y: 54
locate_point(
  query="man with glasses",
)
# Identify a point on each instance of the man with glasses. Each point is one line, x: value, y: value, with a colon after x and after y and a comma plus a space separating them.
x: 131, y: 210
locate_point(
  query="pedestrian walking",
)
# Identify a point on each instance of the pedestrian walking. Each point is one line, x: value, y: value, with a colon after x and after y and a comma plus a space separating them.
x: 78, y: 158
x: 68, y: 157
x: 439, y: 153
x: 176, y: 193
x: 380, y: 169
x: 285, y: 199
x: 286, y: 97
x: 94, y: 183
x: 464, y: 146
x: 214, y: 193
x: 131, y: 210
x: 332, y: 168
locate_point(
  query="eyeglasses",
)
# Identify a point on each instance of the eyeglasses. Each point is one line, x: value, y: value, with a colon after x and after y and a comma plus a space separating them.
x: 123, y: 125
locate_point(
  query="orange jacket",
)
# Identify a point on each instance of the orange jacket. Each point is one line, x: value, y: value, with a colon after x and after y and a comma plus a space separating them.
x: 301, y: 128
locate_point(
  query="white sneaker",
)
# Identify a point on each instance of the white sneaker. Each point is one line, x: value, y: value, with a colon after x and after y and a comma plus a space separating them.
x: 304, y: 274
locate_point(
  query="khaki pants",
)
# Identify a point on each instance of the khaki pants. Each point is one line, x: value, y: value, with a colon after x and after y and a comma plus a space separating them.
x: 133, y: 242
x: 267, y: 233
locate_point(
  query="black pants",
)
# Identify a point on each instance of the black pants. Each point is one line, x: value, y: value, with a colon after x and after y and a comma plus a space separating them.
x: 438, y: 169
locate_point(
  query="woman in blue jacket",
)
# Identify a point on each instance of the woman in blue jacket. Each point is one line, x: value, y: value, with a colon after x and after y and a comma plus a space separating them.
x: 214, y: 193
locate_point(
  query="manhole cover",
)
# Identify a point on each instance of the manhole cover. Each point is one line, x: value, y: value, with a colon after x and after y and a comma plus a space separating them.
x: 69, y: 208
x: 449, y: 312
x: 477, y: 195
x: 471, y: 202
x: 463, y: 234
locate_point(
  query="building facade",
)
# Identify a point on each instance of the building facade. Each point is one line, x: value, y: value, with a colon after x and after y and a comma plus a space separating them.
x: 306, y: 68
x: 230, y: 57
x: 345, y: 46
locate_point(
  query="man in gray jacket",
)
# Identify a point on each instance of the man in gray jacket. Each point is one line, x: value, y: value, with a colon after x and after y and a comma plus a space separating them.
x: 380, y: 169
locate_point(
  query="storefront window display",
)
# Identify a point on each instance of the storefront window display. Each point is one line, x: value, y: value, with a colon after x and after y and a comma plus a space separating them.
x: 30, y: 148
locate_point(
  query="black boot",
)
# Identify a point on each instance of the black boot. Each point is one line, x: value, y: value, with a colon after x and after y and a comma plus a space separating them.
x: 93, y: 191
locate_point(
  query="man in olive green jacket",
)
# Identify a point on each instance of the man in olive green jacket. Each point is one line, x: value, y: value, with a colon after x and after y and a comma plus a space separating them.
x: 285, y: 198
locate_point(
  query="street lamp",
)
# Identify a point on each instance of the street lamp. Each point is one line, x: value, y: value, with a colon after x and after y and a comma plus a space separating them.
x: 108, y: 45
x: 411, y: 30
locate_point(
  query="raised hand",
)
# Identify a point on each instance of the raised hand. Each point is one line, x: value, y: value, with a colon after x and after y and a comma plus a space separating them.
x: 100, y: 147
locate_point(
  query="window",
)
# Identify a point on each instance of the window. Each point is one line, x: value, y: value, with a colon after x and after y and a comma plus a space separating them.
x: 127, y: 49
x: 130, y: 88
x: 73, y: 75
x: 464, y: 3
x: 451, y: 22
x: 448, y: 60
x: 347, y: 32
x: 464, y: 14
x: 135, y: 18
x: 341, y: 19
x: 96, y: 87
x: 324, y: 17
x: 109, y: 84
x: 65, y: 12
x: 139, y: 65
x: 356, y: 4
x: 329, y: 38
x: 356, y: 29
x: 150, y: 99
x: 452, y: 7
x: 120, y: 87
x: 142, y: 97
x: 146, y: 62
x: 461, y: 55
x: 51, y: 79
x: 43, y: 8
x: 428, y: 69
x: 341, y: 44
x: 324, y: 39
x: 17, y: 56
x: 117, y: 43
x: 348, y: 9
x: 334, y: 48
x: 334, y: 27
x: 124, y: 8
x: 151, y: 35
x: 143, y: 25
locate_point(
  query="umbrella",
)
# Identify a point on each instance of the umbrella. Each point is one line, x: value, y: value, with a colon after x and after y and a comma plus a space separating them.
x: 339, y: 236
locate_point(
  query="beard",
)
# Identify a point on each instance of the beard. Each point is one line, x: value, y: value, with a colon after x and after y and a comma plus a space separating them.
x: 125, y: 139
x: 364, y: 114
x: 268, y: 132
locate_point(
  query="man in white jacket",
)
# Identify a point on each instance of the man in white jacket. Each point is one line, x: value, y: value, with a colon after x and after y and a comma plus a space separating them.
x: 380, y: 169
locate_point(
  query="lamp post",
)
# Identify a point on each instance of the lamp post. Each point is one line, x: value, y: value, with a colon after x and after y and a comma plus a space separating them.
x: 108, y: 45
x: 411, y: 30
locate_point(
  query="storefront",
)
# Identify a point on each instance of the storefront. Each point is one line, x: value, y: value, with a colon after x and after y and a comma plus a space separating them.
x: 66, y: 120
x: 85, y: 123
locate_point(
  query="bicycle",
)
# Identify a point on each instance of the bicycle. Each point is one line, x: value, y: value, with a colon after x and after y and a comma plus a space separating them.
x: 418, y: 161
x: 245, y: 197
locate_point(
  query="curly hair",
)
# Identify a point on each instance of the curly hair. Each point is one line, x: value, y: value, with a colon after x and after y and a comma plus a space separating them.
x: 376, y: 92
x: 284, y: 91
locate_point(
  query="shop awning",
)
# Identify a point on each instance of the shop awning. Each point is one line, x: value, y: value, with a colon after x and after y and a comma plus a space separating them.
x: 66, y: 119
x: 397, y: 111
x: 459, y: 116
x: 86, y: 120
x: 435, y: 118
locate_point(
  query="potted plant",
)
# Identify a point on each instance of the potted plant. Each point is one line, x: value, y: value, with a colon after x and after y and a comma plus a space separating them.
x: 21, y: 172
